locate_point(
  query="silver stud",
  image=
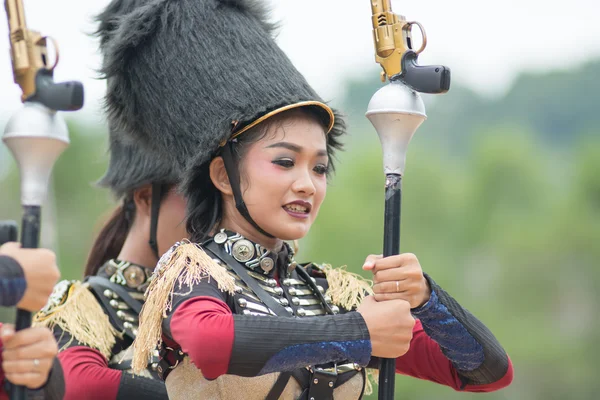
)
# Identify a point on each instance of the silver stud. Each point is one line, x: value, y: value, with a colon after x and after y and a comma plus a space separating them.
x: 267, y: 264
x: 335, y: 309
x: 292, y: 291
x: 220, y: 238
x: 284, y: 302
x: 330, y: 384
x: 301, y: 312
x: 109, y: 294
x: 295, y: 301
x: 243, y: 250
x: 320, y: 288
x: 271, y: 282
x: 242, y: 302
x: 278, y: 290
x: 154, y: 366
x: 316, y: 381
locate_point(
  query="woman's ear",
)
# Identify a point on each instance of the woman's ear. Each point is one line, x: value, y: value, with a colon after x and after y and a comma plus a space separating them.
x: 142, y: 198
x: 219, y: 177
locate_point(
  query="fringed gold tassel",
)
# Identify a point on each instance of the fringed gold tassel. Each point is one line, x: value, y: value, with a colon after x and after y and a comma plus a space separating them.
x: 186, y: 264
x: 346, y: 289
x: 372, y: 378
x: 80, y: 314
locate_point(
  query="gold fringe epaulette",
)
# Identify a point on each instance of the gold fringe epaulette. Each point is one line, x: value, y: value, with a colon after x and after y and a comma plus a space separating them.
x: 346, y: 289
x: 73, y: 308
x: 186, y: 264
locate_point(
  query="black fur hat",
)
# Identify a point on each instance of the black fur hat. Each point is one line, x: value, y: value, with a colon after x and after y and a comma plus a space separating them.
x: 182, y: 73
x: 130, y: 165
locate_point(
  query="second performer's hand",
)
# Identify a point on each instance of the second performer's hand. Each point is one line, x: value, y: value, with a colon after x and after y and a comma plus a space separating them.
x: 40, y: 270
x: 398, y: 277
x: 27, y: 355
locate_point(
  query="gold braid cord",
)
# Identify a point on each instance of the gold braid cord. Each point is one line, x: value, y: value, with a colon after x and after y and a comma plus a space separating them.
x: 73, y: 308
x: 185, y: 264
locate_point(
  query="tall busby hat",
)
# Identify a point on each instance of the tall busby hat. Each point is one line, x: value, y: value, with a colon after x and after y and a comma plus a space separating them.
x: 186, y: 75
x: 130, y: 165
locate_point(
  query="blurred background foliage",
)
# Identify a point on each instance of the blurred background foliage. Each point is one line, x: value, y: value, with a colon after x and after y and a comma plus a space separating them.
x: 501, y: 203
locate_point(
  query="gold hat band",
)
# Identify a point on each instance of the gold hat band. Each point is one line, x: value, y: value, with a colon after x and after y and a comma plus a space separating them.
x: 282, y: 109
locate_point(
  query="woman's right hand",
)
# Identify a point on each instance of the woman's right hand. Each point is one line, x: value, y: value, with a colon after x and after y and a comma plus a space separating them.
x: 390, y: 325
x: 40, y: 270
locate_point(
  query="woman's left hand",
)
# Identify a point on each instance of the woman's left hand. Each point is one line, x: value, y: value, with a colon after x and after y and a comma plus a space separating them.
x: 28, y: 355
x: 398, y: 277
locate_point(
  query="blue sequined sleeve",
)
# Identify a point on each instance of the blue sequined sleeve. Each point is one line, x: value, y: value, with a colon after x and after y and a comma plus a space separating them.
x: 465, y: 341
x: 457, y: 343
x: 270, y: 344
x: 12, y: 282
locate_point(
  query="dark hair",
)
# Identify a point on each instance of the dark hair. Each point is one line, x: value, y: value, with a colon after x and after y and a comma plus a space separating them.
x: 110, y: 240
x: 205, y: 208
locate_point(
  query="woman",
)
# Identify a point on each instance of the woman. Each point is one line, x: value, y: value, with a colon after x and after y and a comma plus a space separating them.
x: 95, y: 321
x: 232, y: 312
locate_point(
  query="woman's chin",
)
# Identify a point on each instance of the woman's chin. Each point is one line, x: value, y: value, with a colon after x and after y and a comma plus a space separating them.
x: 296, y: 232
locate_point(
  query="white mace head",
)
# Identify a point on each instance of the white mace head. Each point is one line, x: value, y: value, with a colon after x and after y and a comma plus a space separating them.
x: 396, y: 111
x: 36, y: 136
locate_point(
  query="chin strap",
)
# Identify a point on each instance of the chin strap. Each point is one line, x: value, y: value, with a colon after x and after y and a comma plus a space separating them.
x: 234, y: 180
x: 155, y: 207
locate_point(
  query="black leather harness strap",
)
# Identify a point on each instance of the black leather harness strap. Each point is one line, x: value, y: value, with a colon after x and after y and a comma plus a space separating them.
x: 279, y: 386
x: 240, y: 270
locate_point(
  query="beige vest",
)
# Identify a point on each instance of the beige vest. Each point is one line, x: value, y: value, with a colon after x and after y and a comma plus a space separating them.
x: 186, y: 382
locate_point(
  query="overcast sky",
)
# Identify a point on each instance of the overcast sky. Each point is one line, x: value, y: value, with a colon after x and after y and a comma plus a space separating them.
x: 485, y: 43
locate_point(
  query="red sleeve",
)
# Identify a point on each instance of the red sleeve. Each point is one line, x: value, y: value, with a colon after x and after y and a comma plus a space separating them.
x: 3, y: 395
x: 425, y: 360
x: 87, y: 375
x: 204, y: 329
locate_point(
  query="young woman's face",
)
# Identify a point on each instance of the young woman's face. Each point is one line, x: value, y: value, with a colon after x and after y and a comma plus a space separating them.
x: 284, y: 176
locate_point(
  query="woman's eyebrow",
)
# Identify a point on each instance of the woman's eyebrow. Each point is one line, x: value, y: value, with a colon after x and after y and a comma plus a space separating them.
x: 294, y: 147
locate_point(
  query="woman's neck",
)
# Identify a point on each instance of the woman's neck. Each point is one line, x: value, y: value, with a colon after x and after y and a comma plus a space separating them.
x: 249, y: 232
x: 136, y: 250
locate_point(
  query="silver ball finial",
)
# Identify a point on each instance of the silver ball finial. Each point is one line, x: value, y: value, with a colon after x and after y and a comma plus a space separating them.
x: 396, y: 111
x: 36, y: 136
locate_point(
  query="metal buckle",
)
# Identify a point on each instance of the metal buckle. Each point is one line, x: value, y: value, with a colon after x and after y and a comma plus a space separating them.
x: 322, y: 383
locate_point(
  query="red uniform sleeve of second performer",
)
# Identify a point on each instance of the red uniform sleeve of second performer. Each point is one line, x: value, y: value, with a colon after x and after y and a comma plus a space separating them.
x: 87, y: 375
x: 3, y: 394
